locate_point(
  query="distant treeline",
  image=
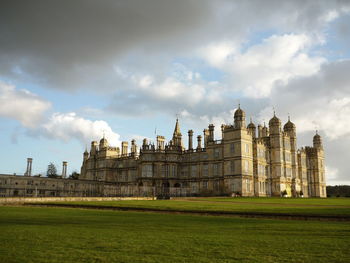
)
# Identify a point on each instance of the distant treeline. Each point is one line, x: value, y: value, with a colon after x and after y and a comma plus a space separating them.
x: 338, y: 191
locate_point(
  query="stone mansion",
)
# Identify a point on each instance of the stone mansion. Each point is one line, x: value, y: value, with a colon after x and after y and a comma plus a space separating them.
x: 247, y: 161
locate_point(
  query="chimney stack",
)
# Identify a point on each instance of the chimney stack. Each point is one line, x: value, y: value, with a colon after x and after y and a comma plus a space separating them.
x: 124, y: 148
x: 29, y: 167
x: 199, y: 140
x: 190, y: 140
x: 64, y: 169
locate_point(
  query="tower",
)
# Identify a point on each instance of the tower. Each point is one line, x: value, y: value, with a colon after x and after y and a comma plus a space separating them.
x: 316, y: 168
x: 290, y: 146
x: 177, y: 136
x: 251, y: 128
x: 239, y: 118
x: 276, y: 158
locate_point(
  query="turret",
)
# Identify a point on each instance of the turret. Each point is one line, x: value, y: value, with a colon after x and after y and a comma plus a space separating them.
x: 93, y: 149
x: 275, y: 125
x: 289, y: 128
x: 85, y: 155
x: 265, y: 131
x: 103, y: 143
x: 317, y: 141
x: 251, y: 128
x: 239, y: 118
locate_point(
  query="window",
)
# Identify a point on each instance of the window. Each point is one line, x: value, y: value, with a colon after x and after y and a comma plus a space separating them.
x: 247, y: 148
x: 174, y: 171
x: 205, y: 170
x: 215, y: 169
x: 287, y: 157
x: 205, y: 184
x: 247, y: 185
x: 232, y: 166
x: 147, y: 170
x: 184, y: 171
x: 246, y: 166
x: 205, y: 156
x: 232, y: 148
x: 288, y: 172
x: 194, y: 170
x: 164, y: 172
x: 216, y: 153
x: 261, y: 169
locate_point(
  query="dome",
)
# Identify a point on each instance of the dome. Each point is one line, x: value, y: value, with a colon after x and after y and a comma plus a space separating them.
x: 289, y: 125
x: 239, y: 113
x: 251, y: 125
x: 103, y: 141
x: 274, y: 121
x: 317, y: 137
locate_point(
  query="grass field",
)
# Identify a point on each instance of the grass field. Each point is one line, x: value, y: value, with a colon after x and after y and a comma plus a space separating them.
x: 294, y: 206
x: 41, y: 234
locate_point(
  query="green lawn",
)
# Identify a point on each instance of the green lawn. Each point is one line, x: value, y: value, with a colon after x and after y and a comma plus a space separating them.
x: 37, y: 234
x: 296, y: 206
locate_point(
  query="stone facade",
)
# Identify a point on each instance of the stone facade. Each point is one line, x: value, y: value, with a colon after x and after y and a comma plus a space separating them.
x: 247, y: 161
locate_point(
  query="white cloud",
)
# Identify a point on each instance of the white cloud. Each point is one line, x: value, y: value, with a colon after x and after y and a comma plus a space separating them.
x: 218, y: 53
x: 67, y: 126
x: 22, y: 105
x: 276, y: 60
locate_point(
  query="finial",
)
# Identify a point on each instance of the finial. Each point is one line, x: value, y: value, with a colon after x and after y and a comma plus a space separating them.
x: 288, y: 116
x: 251, y: 121
x: 239, y: 104
x: 316, y: 132
x: 274, y: 112
x: 264, y: 124
x: 103, y: 133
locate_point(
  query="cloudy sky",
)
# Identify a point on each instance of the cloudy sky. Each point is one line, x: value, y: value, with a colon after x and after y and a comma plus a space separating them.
x: 73, y: 70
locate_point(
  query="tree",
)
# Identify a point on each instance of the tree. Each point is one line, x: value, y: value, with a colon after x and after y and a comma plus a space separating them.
x: 51, y: 171
x: 74, y: 175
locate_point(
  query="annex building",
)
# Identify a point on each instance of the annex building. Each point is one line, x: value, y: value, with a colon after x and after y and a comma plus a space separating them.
x: 246, y: 161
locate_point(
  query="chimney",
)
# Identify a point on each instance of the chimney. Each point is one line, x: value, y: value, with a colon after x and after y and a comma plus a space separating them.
x: 64, y: 169
x: 124, y: 148
x: 206, y: 135
x: 199, y: 140
x: 133, y: 147
x: 190, y: 140
x: 260, y: 131
x: 160, y: 142
x: 29, y: 167
x: 211, y: 133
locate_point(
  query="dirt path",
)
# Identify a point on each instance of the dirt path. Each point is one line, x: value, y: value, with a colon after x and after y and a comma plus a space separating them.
x: 211, y: 213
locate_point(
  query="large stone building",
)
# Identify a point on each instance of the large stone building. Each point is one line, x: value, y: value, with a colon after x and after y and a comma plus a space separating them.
x: 247, y: 161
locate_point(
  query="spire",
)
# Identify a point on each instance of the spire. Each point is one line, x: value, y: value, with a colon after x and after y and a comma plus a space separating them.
x: 177, y: 134
x: 177, y: 128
